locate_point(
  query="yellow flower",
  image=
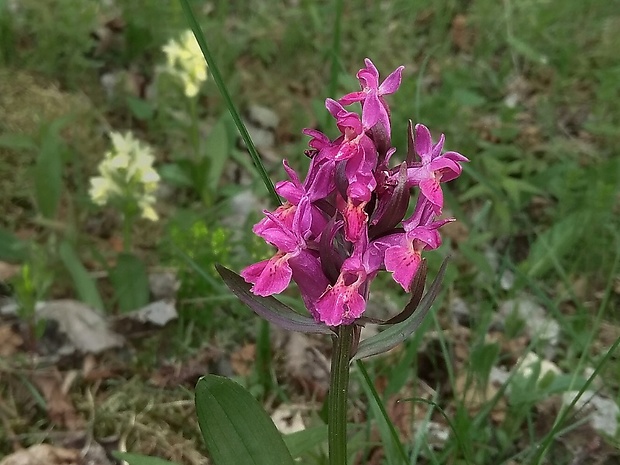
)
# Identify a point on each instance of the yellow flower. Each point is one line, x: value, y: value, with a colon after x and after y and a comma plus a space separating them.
x: 184, y: 59
x: 126, y: 176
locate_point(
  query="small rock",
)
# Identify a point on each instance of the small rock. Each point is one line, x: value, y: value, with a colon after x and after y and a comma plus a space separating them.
x: 158, y: 313
x: 527, y: 364
x: 164, y: 284
x: 85, y: 329
x: 460, y: 311
x: 263, y: 117
x: 287, y: 419
x: 537, y: 323
x: 436, y: 434
x: 603, y: 412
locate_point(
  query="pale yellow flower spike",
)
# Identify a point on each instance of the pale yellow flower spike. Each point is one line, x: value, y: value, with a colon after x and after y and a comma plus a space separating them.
x: 184, y: 59
x: 126, y: 174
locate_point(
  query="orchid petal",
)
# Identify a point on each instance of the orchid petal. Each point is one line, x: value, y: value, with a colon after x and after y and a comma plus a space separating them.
x: 402, y: 262
x: 392, y: 82
x: 269, y: 276
x: 432, y: 191
x: 422, y: 141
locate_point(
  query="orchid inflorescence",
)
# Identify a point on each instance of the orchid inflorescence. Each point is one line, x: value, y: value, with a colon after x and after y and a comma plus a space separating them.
x: 185, y: 61
x: 346, y: 221
x: 127, y: 177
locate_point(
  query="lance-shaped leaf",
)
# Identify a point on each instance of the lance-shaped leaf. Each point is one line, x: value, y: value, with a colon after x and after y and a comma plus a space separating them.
x: 399, y: 332
x: 235, y: 427
x: 270, y: 308
x: 417, y: 289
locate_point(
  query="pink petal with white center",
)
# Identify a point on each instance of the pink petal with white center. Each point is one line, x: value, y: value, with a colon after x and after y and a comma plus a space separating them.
x: 356, y: 220
x: 269, y: 276
x: 403, y: 262
x: 340, y: 305
x: 432, y: 191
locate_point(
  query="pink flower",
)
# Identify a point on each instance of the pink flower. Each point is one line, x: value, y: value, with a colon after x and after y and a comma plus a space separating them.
x: 403, y: 258
x: 434, y: 167
x: 346, y: 221
x: 272, y: 276
x: 374, y: 108
x: 344, y: 302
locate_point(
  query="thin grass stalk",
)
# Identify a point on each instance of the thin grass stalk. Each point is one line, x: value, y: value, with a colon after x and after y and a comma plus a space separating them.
x: 335, y: 51
x: 221, y: 85
x: 384, y: 414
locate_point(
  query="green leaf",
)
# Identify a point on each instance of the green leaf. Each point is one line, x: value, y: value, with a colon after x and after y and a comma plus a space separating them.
x: 139, y: 459
x: 270, y: 308
x: 235, y: 427
x: 526, y: 50
x: 48, y: 174
x: 17, y: 142
x: 304, y: 441
x: 216, y: 150
x: 141, y: 109
x: 84, y: 284
x: 12, y: 249
x: 130, y: 282
x: 554, y: 243
x: 399, y: 332
x: 174, y: 174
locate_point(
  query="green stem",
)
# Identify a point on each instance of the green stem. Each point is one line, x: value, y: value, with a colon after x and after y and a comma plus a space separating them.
x: 194, y: 131
x: 337, y: 402
x: 127, y: 232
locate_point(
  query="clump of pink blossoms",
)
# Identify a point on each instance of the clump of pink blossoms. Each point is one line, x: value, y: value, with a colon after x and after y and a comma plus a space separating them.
x: 346, y: 221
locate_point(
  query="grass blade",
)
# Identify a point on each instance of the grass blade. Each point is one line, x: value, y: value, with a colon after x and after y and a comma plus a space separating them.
x: 221, y: 85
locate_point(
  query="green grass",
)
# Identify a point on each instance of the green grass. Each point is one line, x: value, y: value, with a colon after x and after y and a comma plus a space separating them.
x: 528, y: 91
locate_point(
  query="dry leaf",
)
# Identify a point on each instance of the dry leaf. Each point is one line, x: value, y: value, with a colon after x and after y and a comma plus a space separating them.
x: 307, y: 367
x: 462, y: 36
x: 43, y: 454
x: 154, y: 315
x: 60, y: 410
x: 164, y: 284
x: 243, y: 359
x: 184, y: 373
x: 8, y: 270
x: 86, y: 330
x: 10, y: 341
